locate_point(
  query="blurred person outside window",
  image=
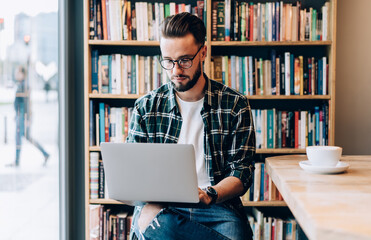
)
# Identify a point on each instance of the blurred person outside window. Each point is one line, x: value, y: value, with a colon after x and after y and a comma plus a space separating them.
x: 23, y: 116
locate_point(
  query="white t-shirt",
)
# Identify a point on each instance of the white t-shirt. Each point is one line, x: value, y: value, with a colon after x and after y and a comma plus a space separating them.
x: 192, y: 132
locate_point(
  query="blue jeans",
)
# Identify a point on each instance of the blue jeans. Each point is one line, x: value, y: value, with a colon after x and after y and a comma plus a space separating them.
x: 23, y: 129
x: 216, y: 222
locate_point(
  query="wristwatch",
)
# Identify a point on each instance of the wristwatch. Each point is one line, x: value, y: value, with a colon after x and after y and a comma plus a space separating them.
x: 212, y: 193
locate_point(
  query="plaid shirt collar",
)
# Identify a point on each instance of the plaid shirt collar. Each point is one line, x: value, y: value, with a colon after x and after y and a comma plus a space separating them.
x: 208, y: 102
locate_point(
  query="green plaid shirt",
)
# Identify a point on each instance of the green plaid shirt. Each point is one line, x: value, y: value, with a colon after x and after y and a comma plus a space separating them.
x: 229, y: 136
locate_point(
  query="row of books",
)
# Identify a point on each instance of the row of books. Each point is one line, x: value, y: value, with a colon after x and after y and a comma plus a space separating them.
x: 113, y: 224
x: 285, y: 74
x: 274, y: 128
x: 272, y: 228
x: 270, y: 21
x: 291, y: 129
x: 262, y: 188
x: 108, y: 224
x: 107, y: 123
x: 125, y: 74
x: 131, y: 20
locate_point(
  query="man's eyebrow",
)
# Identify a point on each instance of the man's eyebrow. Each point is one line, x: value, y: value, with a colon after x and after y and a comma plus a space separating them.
x: 180, y: 57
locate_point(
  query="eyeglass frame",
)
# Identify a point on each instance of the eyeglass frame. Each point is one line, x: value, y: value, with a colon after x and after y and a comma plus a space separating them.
x: 179, y: 60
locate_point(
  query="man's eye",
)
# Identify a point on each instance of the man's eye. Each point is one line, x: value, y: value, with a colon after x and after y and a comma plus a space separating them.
x: 184, y: 60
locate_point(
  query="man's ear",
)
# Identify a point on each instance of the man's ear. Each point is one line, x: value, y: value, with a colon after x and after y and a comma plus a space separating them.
x: 203, y: 53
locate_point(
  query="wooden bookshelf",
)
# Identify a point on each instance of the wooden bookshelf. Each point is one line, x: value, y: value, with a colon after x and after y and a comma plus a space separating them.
x: 213, y: 47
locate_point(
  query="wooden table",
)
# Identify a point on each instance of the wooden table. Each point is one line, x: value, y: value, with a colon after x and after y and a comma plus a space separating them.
x: 336, y: 206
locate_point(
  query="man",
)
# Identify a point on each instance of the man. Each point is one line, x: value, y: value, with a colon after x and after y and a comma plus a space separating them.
x: 217, y: 120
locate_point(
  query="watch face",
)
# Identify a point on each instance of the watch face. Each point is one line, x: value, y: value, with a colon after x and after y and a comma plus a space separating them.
x: 211, y: 191
x: 213, y: 194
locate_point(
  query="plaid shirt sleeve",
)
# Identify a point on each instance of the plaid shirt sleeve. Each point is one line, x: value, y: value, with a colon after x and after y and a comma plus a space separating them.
x: 137, y: 129
x: 242, y: 148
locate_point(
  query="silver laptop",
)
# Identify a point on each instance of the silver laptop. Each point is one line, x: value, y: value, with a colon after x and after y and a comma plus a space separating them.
x: 136, y: 173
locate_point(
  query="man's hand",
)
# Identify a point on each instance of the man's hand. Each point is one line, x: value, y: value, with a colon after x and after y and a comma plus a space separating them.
x: 204, y: 198
x: 228, y: 188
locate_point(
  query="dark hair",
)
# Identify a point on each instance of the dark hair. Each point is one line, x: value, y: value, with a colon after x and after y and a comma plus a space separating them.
x: 181, y: 24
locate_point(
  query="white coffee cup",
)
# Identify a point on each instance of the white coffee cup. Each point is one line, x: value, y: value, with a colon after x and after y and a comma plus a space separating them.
x: 326, y: 156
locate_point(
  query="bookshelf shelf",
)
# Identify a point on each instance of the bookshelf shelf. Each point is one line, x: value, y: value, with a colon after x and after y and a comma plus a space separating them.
x: 293, y: 97
x: 94, y: 148
x: 258, y: 151
x: 270, y: 44
x: 280, y: 151
x: 259, y: 51
x: 213, y: 43
x: 105, y: 201
x: 125, y: 43
x: 246, y: 204
x: 114, y: 96
x: 257, y: 97
x: 264, y: 204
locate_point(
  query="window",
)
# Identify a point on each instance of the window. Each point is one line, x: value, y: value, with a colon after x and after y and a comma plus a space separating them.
x: 29, y: 125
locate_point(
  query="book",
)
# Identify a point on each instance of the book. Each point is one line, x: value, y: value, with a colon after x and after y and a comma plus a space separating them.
x: 273, y: 73
x: 92, y: 6
x: 92, y: 137
x: 94, y: 221
x: 257, y: 181
x: 101, y: 184
x: 122, y: 225
x: 262, y: 182
x: 94, y: 174
x: 227, y: 26
x: 101, y: 123
x: 98, y: 21
x: 292, y: 74
x: 94, y: 71
x: 287, y: 73
x: 218, y: 65
x: 220, y: 21
x: 214, y: 20
x: 104, y: 20
x: 270, y: 126
x: 266, y: 185
x: 297, y: 76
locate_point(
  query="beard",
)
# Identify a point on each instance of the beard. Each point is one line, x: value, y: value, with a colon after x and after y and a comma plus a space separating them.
x: 190, y: 84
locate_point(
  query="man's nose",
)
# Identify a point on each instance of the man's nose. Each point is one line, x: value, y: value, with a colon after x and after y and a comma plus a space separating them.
x: 177, y: 68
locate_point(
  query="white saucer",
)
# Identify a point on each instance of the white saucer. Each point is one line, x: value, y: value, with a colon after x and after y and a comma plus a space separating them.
x: 340, y: 167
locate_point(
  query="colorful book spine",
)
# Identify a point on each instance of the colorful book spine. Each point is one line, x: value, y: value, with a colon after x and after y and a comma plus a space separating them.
x: 92, y: 137
x: 101, y: 123
x: 270, y: 128
x: 101, y: 185
x: 94, y: 174
x: 273, y: 72
x: 262, y: 177
x: 220, y: 21
x: 227, y: 20
x: 94, y: 71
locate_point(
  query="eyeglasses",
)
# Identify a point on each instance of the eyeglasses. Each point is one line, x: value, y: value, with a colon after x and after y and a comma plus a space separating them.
x: 184, y: 63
